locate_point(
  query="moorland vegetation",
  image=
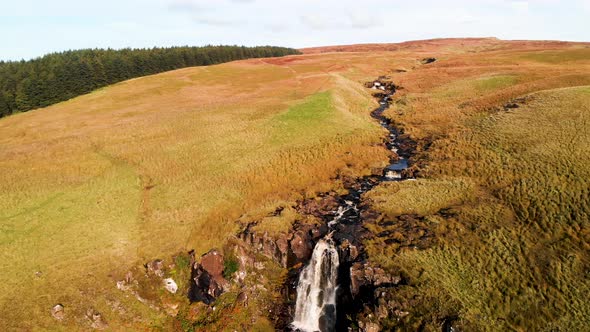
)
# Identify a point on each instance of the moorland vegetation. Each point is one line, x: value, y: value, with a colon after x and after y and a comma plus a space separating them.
x: 40, y: 82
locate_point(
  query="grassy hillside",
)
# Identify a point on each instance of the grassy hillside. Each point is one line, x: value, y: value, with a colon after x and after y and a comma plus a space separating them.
x: 152, y: 166
x: 501, y: 218
x: 163, y: 164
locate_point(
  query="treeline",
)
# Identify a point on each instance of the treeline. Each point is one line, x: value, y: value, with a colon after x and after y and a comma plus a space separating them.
x: 26, y: 85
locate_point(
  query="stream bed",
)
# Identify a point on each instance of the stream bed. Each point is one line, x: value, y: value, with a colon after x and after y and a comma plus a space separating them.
x: 324, y: 298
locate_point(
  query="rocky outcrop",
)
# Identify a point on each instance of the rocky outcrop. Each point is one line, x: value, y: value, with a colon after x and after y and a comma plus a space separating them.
x: 97, y: 322
x: 301, y: 245
x: 320, y: 207
x: 426, y: 61
x: 366, y: 275
x: 212, y: 262
x: 267, y: 245
x: 348, y: 252
x: 287, y: 249
x: 155, y: 267
x: 207, y: 281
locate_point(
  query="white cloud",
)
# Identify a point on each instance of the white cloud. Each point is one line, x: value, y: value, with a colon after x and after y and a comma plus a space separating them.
x: 218, y: 21
x: 522, y: 6
x: 31, y: 27
x: 364, y: 21
x: 187, y: 5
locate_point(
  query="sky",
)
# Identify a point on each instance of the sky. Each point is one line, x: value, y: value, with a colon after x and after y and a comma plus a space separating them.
x: 31, y: 28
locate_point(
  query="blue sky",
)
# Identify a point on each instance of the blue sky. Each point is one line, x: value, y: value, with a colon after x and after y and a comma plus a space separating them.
x: 30, y: 28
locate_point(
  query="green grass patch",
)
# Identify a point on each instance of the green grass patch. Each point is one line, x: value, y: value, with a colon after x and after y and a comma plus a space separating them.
x: 496, y: 82
x: 303, y: 120
x: 517, y: 257
x: 422, y: 197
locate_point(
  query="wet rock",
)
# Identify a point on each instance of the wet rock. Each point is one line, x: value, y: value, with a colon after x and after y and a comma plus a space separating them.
x: 58, y: 312
x: 357, y: 278
x: 319, y: 232
x: 448, y: 324
x: 320, y: 206
x: 97, y: 322
x: 170, y: 285
x: 282, y: 245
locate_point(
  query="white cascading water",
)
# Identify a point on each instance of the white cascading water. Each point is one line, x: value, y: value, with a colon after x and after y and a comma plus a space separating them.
x: 315, y: 308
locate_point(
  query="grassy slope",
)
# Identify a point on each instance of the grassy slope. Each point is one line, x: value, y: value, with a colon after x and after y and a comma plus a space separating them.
x: 164, y: 163
x: 514, y: 252
x: 160, y: 164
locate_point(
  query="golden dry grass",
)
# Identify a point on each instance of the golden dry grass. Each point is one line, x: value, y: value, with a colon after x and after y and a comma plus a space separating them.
x: 162, y: 164
x: 513, y: 254
x: 156, y: 165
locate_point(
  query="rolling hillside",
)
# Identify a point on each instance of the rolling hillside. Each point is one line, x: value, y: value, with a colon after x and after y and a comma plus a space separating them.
x: 155, y: 166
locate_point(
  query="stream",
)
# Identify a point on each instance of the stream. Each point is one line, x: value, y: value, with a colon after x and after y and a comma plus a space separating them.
x: 324, y: 283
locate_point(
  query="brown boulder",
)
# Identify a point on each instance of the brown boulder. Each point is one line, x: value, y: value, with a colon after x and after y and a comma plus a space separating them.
x: 58, y: 312
x: 282, y: 244
x: 212, y: 262
x: 204, y: 288
x: 207, y: 276
x: 301, y: 246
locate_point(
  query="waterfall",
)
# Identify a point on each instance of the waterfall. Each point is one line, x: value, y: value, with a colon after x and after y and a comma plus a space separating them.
x: 315, y: 309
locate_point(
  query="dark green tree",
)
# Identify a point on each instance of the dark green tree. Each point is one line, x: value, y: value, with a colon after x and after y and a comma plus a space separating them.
x: 25, y: 85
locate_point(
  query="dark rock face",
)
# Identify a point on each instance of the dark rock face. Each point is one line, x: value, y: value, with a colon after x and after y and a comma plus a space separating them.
x: 207, y: 281
x: 426, y: 61
x: 275, y: 249
x: 515, y: 103
x: 301, y: 245
x: 366, y: 275
x: 285, y: 249
x: 319, y: 207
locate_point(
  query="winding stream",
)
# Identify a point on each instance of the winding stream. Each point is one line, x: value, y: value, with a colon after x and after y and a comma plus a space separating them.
x: 323, y: 281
